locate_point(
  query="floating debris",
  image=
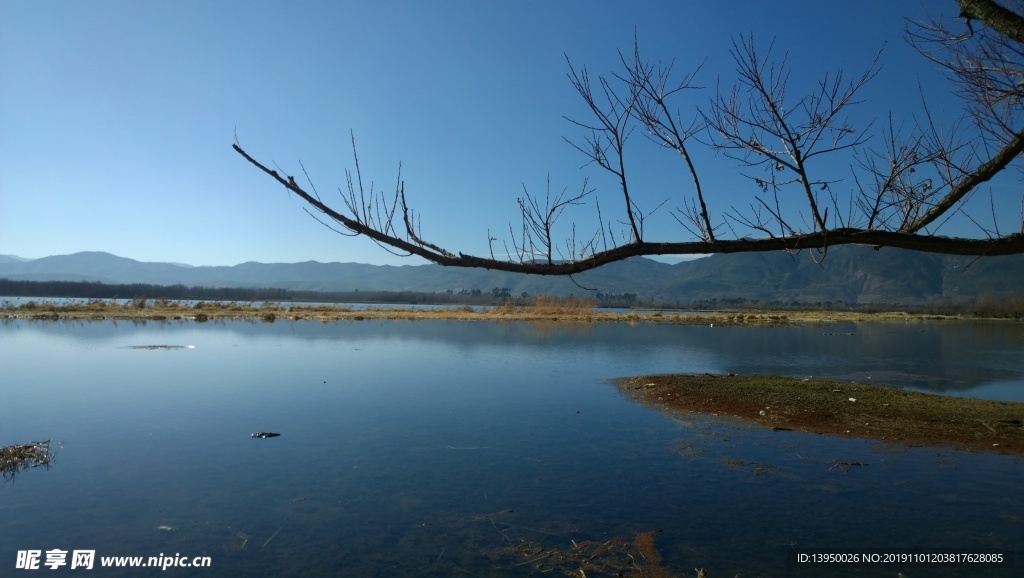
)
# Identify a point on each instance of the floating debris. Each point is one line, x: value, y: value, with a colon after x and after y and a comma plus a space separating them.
x: 18, y: 457
x: 271, y: 539
x: 757, y: 468
x: 264, y: 435
x: 846, y: 465
x: 614, y: 557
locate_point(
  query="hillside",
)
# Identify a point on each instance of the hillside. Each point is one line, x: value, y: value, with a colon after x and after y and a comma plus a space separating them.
x: 849, y: 274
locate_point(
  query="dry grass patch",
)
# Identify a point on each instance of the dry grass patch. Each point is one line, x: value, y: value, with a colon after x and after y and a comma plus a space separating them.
x: 569, y: 309
x: 566, y: 306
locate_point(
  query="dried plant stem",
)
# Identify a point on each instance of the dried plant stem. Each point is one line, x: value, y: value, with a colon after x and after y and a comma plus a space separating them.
x: 271, y: 539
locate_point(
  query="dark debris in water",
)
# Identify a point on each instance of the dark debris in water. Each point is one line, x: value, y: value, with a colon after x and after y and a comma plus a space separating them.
x: 758, y: 469
x: 18, y: 457
x: 614, y: 557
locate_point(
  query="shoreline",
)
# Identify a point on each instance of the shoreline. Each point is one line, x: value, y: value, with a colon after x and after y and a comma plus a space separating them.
x: 157, y: 311
x: 814, y: 405
x: 841, y: 409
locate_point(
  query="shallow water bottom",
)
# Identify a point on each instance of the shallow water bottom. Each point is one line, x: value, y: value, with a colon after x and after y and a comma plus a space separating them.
x: 445, y: 449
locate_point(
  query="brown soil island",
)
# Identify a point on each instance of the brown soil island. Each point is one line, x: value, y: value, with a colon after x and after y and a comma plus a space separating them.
x: 842, y: 409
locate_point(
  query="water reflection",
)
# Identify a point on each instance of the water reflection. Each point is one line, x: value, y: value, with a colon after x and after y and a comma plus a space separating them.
x: 939, y: 357
x: 434, y: 448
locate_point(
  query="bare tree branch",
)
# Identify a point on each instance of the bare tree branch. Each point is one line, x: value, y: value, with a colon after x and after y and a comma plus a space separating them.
x: 609, y: 134
x: 915, y: 178
x: 756, y: 124
x: 651, y: 84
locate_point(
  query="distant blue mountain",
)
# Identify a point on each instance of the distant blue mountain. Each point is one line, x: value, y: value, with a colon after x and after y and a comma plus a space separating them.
x: 849, y: 273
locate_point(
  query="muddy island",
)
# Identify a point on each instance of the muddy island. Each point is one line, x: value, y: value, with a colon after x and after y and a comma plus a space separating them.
x: 837, y: 408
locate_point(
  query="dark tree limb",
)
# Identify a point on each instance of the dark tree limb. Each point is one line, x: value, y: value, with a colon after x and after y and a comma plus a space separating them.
x: 902, y: 193
x: 992, y: 14
x: 970, y: 182
x: 1011, y: 244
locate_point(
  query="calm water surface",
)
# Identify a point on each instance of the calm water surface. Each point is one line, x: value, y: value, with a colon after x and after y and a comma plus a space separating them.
x: 433, y: 448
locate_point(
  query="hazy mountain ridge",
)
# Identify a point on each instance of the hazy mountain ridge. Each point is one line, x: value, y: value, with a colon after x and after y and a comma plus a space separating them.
x: 849, y: 273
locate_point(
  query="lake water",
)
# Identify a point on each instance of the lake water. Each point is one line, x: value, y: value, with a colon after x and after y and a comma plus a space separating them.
x: 436, y: 448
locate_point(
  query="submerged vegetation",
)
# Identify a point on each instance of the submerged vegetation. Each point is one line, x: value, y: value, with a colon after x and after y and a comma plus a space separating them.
x: 614, y: 557
x: 18, y: 457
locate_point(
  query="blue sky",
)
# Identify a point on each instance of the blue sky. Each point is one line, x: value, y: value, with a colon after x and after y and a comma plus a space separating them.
x: 117, y: 118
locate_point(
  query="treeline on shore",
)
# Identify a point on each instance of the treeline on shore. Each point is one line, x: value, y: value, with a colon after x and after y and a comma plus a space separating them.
x: 98, y: 290
x: 989, y: 305
x: 986, y: 305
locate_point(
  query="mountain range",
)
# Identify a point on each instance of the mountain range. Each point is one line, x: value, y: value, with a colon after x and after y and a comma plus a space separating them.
x: 850, y: 274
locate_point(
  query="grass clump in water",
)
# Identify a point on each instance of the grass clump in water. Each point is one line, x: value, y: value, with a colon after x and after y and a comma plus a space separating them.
x: 18, y: 457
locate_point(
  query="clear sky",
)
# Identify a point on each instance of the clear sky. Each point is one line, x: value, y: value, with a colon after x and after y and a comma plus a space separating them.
x: 117, y: 118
